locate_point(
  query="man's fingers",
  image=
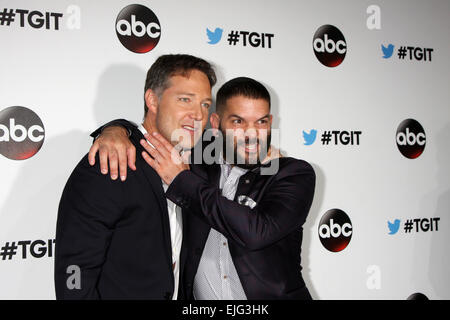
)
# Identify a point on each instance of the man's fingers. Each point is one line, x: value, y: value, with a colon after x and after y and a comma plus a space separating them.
x: 152, y: 151
x: 113, y: 165
x: 123, y: 165
x: 163, y: 141
x: 131, y: 156
x: 145, y: 145
x: 113, y: 147
x: 152, y: 162
x: 92, y: 152
x: 185, y: 156
x: 158, y: 146
x: 103, y: 154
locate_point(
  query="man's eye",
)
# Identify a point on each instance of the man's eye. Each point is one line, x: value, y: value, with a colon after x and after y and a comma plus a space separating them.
x: 183, y: 99
x: 237, y: 121
x: 263, y: 121
x: 206, y: 105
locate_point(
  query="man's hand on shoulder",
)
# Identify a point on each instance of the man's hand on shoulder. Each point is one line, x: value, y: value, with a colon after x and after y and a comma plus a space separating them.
x: 114, y: 146
x: 273, y: 153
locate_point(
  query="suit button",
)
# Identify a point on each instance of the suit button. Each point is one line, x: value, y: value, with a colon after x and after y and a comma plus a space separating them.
x: 247, y: 181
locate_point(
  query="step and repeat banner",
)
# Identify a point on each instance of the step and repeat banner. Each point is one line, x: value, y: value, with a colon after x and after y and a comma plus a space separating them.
x: 360, y: 89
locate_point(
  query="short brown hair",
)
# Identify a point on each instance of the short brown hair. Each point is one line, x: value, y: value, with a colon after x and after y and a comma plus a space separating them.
x: 169, y: 65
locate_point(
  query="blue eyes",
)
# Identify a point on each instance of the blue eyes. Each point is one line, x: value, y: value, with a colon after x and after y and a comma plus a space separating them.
x: 188, y: 100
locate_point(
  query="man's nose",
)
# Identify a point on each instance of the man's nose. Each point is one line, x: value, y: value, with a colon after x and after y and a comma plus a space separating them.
x: 197, y: 112
x: 251, y: 132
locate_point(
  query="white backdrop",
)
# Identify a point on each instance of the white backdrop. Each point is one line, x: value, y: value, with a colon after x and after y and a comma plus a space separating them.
x: 79, y: 75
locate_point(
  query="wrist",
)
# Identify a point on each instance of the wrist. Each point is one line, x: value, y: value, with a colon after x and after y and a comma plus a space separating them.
x: 116, y: 130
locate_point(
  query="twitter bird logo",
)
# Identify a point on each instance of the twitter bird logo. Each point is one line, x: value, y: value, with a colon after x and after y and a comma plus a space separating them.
x: 393, y: 227
x: 215, y: 36
x: 387, y: 51
x: 309, y: 137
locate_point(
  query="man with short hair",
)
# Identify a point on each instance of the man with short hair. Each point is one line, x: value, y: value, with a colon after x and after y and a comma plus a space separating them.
x: 122, y: 240
x: 243, y: 228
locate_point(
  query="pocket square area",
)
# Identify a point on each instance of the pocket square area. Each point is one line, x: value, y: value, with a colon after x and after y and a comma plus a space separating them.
x: 246, y: 201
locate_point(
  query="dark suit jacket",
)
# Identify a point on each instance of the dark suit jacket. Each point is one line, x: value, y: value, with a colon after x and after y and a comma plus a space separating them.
x: 117, y: 233
x: 264, y: 242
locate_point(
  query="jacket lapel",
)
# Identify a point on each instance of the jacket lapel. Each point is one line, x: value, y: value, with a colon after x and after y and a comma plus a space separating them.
x: 157, y: 189
x: 214, y: 172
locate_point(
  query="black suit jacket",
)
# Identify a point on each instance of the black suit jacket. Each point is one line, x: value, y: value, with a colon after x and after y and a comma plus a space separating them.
x: 264, y: 241
x: 117, y: 233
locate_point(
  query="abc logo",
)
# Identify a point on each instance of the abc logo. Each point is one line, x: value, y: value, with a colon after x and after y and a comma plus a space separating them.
x: 138, y: 28
x: 329, y: 45
x: 335, y: 230
x: 410, y: 138
x: 21, y: 133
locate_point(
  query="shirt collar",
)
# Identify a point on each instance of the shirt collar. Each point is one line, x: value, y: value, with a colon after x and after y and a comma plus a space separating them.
x: 224, y: 163
x: 144, y: 131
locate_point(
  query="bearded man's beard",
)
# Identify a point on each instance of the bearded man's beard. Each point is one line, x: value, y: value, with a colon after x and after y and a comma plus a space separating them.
x: 230, y: 154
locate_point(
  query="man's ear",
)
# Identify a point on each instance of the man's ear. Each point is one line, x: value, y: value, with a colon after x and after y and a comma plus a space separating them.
x: 214, y: 119
x: 151, y: 100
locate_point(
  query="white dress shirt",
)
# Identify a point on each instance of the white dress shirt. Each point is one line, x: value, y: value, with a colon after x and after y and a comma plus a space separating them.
x: 176, y: 232
x: 216, y: 277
